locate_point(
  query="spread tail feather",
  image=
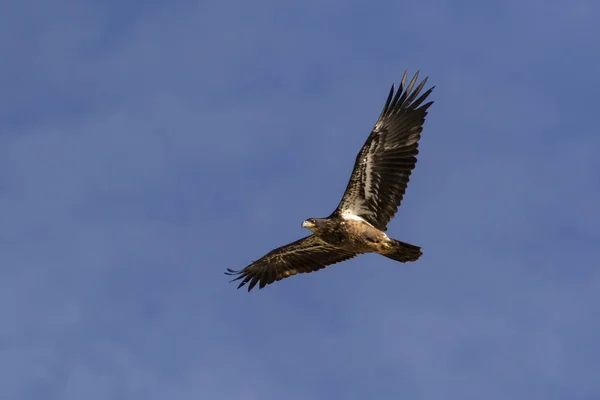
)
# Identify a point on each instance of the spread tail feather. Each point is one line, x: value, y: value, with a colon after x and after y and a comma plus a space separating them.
x: 403, y: 252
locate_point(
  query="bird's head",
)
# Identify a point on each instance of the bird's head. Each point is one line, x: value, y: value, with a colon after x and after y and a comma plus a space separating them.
x: 312, y: 224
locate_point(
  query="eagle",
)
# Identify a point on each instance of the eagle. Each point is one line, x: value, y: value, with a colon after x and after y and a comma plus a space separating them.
x: 377, y: 185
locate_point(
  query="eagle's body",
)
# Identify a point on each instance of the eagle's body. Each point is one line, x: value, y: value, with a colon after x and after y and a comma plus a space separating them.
x: 372, y: 197
x: 354, y: 235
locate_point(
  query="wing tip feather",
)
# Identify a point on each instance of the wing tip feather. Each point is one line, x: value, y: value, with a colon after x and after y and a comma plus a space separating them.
x: 404, y: 97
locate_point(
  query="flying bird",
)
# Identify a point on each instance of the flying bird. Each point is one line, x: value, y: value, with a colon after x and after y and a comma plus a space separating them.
x: 377, y: 185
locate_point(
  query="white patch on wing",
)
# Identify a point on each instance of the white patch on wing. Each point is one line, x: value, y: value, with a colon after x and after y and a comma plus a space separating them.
x: 368, y: 162
x: 365, y: 184
x: 350, y: 216
x: 368, y: 175
x: 353, y: 217
x: 355, y: 208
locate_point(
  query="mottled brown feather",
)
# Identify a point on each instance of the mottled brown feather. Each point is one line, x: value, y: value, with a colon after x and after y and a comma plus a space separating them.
x: 302, y: 256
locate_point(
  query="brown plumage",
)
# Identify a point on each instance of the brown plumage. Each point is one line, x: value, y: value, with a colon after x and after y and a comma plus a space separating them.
x: 377, y: 185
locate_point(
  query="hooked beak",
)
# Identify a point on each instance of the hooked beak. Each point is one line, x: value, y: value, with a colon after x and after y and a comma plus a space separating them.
x: 307, y: 224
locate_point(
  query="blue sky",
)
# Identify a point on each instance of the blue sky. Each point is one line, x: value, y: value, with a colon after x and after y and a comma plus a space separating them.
x: 146, y: 147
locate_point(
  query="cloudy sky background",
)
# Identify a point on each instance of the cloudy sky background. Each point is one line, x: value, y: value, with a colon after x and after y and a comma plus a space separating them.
x: 146, y: 147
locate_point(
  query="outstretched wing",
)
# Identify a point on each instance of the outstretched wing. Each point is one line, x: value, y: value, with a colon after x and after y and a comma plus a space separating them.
x: 305, y: 255
x: 383, y: 166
